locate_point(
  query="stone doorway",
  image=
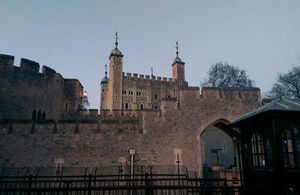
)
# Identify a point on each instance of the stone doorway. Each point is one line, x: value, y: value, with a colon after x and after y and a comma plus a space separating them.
x: 218, y: 146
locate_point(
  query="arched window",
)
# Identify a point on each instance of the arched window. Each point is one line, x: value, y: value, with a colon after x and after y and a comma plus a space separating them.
x: 155, y: 106
x: 257, y: 150
x: 290, y: 144
x: 155, y: 96
x: 141, y: 106
x: 126, y: 106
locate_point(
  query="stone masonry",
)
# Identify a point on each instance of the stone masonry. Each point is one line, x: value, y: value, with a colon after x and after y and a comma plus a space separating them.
x: 25, y: 92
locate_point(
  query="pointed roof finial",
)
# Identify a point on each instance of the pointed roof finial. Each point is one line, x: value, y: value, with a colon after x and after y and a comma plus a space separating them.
x: 116, y: 43
x: 105, y: 79
x: 152, y: 71
x: 177, y: 59
x: 177, y: 49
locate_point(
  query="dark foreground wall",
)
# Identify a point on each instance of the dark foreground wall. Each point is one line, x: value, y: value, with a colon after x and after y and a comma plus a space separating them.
x: 26, y: 93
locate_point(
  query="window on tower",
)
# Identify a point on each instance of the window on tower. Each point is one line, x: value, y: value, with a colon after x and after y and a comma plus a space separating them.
x: 141, y: 106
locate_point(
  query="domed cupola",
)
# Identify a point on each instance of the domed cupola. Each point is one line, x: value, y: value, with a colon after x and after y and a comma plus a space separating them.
x: 105, y: 79
x: 116, y: 52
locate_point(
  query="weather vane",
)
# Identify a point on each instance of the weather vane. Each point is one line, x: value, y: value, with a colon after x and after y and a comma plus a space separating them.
x: 116, y: 40
x: 105, y: 70
x: 177, y: 49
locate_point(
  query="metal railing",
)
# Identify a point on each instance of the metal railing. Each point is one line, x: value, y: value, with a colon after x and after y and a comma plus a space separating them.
x: 91, y: 181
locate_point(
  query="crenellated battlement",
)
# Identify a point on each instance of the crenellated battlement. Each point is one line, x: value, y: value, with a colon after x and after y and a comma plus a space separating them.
x: 6, y: 62
x: 142, y: 77
x: 231, y: 93
x: 26, y: 65
x: 32, y: 93
x: 29, y: 65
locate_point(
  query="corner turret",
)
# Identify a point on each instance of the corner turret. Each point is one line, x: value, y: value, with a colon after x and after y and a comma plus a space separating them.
x: 178, y: 72
x: 103, y: 91
x: 115, y: 78
x: 105, y: 78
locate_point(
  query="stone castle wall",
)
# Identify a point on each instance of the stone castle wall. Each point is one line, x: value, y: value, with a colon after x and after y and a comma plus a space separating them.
x: 158, y: 136
x: 24, y: 90
x: 140, y: 89
x: 145, y: 90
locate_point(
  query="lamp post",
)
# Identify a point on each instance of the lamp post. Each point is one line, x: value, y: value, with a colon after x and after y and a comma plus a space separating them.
x: 132, y: 153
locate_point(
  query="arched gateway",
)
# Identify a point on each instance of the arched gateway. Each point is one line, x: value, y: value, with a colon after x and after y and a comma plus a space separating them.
x: 217, y: 145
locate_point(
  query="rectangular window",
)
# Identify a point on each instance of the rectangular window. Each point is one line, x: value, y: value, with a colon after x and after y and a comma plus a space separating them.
x: 291, y: 147
x: 257, y: 149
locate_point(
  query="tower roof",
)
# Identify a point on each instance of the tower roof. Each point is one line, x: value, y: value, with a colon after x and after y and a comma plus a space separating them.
x: 116, y: 51
x: 104, y: 80
x: 177, y: 60
x: 278, y: 105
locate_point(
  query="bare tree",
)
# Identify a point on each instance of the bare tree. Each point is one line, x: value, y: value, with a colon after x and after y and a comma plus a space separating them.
x: 223, y: 75
x: 287, y: 85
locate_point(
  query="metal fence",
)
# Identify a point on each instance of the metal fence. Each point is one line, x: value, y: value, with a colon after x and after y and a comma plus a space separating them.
x: 149, y: 180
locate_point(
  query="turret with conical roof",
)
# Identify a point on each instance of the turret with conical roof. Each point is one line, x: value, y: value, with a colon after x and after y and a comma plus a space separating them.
x: 178, y: 68
x: 104, y: 91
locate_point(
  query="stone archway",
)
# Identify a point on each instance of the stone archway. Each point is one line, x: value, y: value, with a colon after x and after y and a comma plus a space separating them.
x: 217, y: 145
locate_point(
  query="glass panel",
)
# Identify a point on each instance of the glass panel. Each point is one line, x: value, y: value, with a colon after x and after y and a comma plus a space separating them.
x: 284, y: 149
x: 297, y: 146
x: 260, y: 146
x: 291, y: 160
x: 257, y: 147
x: 269, y: 154
x: 288, y: 134
x: 248, y: 154
x: 255, y: 160
x: 285, y: 160
x: 290, y: 145
x: 262, y: 160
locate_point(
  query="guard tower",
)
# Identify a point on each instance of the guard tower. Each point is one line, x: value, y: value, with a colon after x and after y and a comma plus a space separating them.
x: 178, y: 68
x: 115, y: 78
